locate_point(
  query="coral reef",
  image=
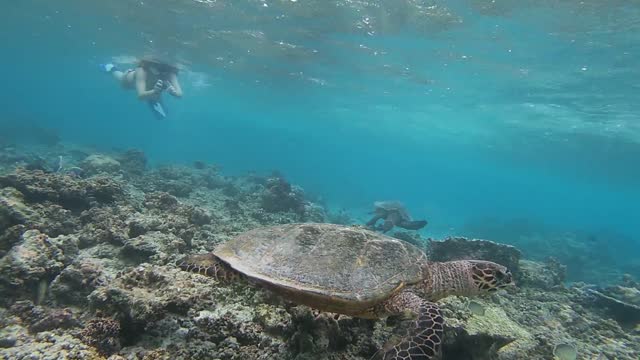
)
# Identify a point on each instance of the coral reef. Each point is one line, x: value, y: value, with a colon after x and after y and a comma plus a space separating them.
x: 37, y: 258
x: 69, y: 192
x: 86, y: 272
x: 280, y: 196
x: 103, y: 334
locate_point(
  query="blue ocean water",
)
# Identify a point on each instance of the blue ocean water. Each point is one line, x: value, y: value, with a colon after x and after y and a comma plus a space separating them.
x: 492, y: 119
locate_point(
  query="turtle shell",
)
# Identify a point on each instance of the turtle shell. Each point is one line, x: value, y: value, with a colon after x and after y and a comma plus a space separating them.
x: 386, y: 207
x: 333, y: 268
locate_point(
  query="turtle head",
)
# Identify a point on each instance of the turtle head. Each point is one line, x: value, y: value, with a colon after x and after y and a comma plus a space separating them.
x: 489, y: 277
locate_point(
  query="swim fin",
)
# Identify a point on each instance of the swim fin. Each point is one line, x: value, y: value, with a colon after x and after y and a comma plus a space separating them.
x: 158, y: 109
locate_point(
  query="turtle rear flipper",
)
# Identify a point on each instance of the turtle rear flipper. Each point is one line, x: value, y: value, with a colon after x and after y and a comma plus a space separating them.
x: 424, y: 339
x: 413, y: 225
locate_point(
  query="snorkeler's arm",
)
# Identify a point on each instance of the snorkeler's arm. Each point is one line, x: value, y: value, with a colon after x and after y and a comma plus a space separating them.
x: 141, y: 85
x: 175, y: 88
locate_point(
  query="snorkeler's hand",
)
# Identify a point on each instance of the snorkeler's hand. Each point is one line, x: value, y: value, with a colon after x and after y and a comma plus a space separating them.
x: 158, y: 86
x: 171, y: 89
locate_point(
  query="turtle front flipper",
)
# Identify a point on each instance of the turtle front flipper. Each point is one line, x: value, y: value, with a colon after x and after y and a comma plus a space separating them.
x: 209, y: 265
x: 424, y: 339
x: 374, y: 220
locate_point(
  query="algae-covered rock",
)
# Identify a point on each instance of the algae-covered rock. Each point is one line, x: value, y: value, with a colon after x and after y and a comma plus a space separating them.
x: 620, y: 302
x: 100, y: 163
x: 13, y: 210
x: 77, y: 281
x: 67, y: 191
x: 14, y: 214
x: 36, y: 259
x: 460, y: 248
x: 103, y: 334
x: 544, y: 276
x: 47, y: 345
x: 153, y: 245
x: 148, y: 292
x: 274, y: 320
x: 489, y: 336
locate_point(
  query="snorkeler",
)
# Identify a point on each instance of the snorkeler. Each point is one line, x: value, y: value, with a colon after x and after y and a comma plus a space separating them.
x: 150, y: 78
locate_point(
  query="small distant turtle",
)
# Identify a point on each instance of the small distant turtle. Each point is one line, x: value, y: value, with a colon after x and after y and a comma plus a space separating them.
x: 394, y: 214
x: 353, y: 271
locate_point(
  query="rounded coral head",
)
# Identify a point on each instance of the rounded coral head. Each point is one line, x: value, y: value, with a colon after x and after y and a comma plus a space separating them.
x: 488, y: 276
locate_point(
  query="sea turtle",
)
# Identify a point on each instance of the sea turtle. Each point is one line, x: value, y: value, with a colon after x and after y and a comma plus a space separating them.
x: 394, y: 214
x: 352, y: 271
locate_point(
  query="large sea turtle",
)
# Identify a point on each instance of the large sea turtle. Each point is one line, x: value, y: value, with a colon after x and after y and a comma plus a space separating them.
x: 353, y: 271
x: 394, y: 214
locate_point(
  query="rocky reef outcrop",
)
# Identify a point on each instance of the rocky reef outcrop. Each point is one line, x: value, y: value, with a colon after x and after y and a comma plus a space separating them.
x: 459, y: 248
x: 87, y: 272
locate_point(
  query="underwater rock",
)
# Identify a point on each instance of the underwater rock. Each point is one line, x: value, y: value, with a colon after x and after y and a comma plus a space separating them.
x: 488, y: 336
x: 100, y: 163
x: 102, y: 334
x: 13, y: 210
x: 460, y: 248
x: 133, y: 162
x: 13, y: 214
x: 39, y: 319
x: 77, y: 281
x: 140, y: 224
x: 176, y: 187
x: 53, y: 220
x: 196, y: 215
x: 175, y: 180
x: 160, y: 200
x: 538, y: 275
x: 104, y: 189
x: 622, y: 303
x: 59, y: 343
x: 36, y: 259
x: 104, y: 225
x: 49, y: 218
x: 280, y: 196
x: 155, y: 246
x: 166, y: 214
x: 69, y: 192
x: 233, y: 327
x: 327, y: 335
x: 146, y: 293
x: 56, y: 319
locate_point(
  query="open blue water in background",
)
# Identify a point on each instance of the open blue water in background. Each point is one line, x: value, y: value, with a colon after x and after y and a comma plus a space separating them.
x: 467, y: 111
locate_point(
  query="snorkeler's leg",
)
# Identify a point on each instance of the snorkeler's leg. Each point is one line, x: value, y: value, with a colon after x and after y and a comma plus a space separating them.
x: 119, y: 75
